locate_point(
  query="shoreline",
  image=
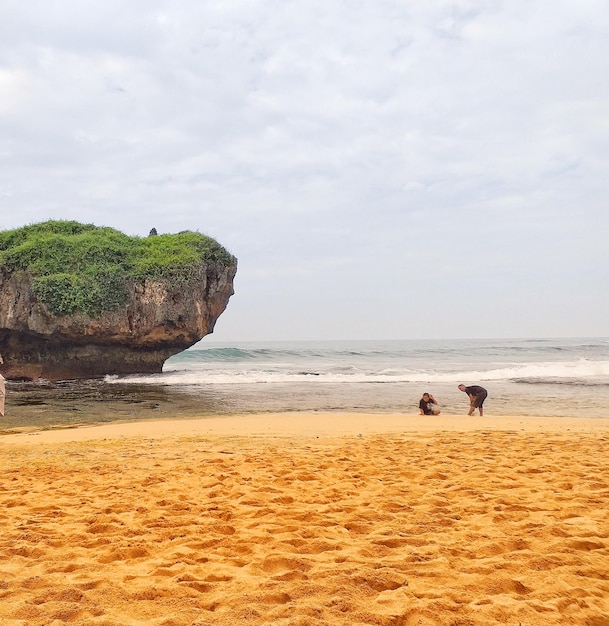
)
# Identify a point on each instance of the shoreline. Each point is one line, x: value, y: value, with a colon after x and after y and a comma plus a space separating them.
x: 303, y: 424
x: 35, y: 406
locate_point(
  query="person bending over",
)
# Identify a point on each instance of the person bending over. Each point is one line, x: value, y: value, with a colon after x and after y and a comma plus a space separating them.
x: 477, y: 396
x: 428, y: 405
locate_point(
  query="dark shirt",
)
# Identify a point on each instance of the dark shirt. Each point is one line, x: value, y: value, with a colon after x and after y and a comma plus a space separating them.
x: 426, y: 407
x: 475, y: 390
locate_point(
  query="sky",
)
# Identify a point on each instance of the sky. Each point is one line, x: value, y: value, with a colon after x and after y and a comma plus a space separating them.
x: 382, y: 169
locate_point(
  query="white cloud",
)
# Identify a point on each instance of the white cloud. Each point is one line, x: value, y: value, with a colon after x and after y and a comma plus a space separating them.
x: 391, y: 146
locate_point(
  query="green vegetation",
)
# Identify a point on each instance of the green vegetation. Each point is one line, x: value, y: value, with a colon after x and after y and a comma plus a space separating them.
x: 85, y: 268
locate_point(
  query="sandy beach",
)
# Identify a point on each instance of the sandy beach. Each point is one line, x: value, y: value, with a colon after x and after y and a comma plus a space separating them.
x: 305, y: 519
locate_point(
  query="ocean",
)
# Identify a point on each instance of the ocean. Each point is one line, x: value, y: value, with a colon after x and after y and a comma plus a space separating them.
x: 527, y: 377
x: 524, y: 376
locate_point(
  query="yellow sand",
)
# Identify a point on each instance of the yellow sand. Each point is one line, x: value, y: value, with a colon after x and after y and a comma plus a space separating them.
x: 308, y: 519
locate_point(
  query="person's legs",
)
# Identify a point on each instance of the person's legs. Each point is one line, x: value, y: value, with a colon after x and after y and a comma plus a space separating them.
x: 480, y: 402
x: 472, y: 404
x: 476, y: 404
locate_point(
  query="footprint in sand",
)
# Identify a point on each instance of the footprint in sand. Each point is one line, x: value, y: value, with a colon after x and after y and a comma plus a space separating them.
x: 282, y: 564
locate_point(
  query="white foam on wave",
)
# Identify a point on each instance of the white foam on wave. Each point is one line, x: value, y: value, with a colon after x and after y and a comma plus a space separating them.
x: 581, y: 369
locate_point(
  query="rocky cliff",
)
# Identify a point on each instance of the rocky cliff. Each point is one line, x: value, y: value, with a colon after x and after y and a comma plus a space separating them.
x: 158, y: 318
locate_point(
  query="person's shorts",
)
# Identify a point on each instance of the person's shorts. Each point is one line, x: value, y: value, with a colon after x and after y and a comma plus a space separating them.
x: 479, y: 400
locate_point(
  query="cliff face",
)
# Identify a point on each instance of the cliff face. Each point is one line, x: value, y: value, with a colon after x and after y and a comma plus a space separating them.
x: 159, y: 320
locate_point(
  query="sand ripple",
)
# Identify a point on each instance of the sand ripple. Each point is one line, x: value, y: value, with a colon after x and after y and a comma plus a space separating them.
x: 428, y: 529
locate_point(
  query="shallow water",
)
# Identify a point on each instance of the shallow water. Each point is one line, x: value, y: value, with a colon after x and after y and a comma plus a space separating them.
x: 45, y: 404
x: 561, y: 377
x: 85, y: 402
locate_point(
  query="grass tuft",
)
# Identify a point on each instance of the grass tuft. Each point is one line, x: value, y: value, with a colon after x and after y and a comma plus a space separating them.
x: 88, y: 269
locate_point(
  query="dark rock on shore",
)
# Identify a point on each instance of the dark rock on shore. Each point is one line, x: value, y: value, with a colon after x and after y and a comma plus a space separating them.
x: 63, y: 404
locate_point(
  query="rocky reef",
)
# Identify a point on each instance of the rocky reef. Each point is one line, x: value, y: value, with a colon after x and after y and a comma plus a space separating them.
x: 78, y: 301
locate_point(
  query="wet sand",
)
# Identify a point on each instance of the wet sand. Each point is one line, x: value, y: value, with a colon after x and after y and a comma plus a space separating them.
x: 307, y: 519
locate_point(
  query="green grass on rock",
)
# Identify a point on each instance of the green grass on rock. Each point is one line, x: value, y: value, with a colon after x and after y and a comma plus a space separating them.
x: 85, y: 268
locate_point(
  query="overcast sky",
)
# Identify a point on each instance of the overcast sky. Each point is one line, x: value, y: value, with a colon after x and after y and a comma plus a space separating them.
x: 381, y: 168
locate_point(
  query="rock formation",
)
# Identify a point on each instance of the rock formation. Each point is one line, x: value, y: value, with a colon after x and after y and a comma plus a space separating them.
x: 159, y: 319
